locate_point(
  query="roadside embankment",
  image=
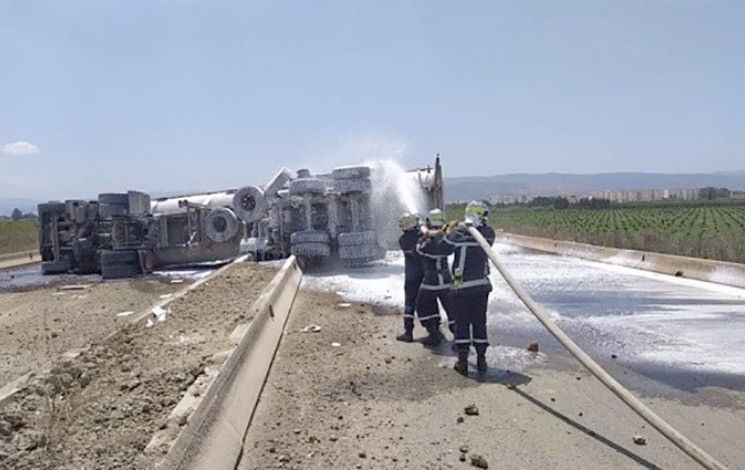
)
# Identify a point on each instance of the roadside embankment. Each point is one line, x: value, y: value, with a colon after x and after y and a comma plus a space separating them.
x: 720, y: 272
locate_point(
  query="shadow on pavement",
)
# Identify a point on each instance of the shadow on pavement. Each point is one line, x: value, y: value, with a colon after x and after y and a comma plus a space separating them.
x: 582, y: 428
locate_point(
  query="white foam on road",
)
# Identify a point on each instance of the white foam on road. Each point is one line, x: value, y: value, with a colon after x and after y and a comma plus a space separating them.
x: 650, y: 317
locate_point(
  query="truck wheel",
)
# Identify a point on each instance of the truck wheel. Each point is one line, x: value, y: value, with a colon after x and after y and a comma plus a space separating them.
x: 307, y: 186
x: 120, y: 264
x: 51, y: 207
x: 120, y: 271
x: 352, y: 185
x: 309, y: 236
x: 311, y: 250
x: 221, y: 224
x: 117, y: 199
x: 350, y: 172
x: 107, y: 210
x: 55, y: 267
x: 357, y: 238
x: 250, y: 204
x: 119, y: 257
x: 361, y: 252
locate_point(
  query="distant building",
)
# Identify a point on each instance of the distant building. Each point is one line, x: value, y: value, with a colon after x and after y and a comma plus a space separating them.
x: 509, y: 199
x: 685, y: 194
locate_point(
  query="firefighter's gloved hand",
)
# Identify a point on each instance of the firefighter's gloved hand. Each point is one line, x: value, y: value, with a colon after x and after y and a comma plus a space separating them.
x: 452, y: 225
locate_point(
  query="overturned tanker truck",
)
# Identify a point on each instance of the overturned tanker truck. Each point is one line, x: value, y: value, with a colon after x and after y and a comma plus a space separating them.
x: 315, y: 217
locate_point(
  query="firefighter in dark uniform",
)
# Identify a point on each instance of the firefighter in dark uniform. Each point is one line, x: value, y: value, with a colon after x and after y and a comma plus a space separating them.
x: 471, y: 286
x: 413, y: 271
x: 437, y: 279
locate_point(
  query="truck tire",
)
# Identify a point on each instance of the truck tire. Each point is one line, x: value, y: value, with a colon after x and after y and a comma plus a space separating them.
x: 352, y: 185
x: 221, y: 224
x: 309, y: 236
x: 311, y: 250
x: 56, y: 267
x: 120, y: 264
x: 361, y: 252
x: 307, y: 186
x: 120, y: 257
x: 357, y: 238
x: 250, y: 204
x: 120, y: 271
x: 117, y: 199
x: 107, y: 210
x: 350, y: 172
x: 51, y: 207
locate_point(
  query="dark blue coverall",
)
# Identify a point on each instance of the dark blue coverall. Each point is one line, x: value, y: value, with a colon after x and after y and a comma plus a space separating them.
x: 435, y: 284
x: 413, y: 274
x: 471, y: 287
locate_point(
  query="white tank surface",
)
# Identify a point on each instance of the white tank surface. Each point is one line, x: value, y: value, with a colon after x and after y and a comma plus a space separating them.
x: 426, y: 177
x: 177, y: 205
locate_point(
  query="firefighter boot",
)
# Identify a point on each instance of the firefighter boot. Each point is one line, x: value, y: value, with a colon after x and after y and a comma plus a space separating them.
x: 407, y: 336
x: 481, y: 359
x: 462, y: 365
x: 434, y: 338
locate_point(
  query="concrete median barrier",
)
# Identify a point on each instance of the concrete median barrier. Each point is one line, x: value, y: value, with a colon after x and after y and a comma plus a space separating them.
x: 214, y: 435
x: 12, y: 260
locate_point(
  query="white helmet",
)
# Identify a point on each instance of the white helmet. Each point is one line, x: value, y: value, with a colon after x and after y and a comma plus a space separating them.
x: 408, y: 221
x: 435, y: 219
x: 476, y: 213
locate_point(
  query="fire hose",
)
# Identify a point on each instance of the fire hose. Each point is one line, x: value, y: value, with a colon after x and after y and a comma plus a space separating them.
x: 685, y: 444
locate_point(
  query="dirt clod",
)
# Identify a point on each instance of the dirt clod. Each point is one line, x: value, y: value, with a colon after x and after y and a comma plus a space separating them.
x: 479, y: 461
x: 471, y: 410
x: 639, y: 440
x: 533, y: 347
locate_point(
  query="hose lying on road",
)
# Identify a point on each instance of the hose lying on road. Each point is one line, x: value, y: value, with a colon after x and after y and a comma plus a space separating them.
x: 642, y: 410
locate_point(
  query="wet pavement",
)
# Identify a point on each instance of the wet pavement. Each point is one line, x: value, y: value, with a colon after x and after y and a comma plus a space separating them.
x: 678, y: 332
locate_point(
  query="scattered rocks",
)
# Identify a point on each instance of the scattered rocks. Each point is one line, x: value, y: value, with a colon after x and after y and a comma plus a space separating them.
x: 460, y: 419
x: 533, y: 347
x: 471, y: 410
x: 362, y: 455
x: 613, y: 356
x: 639, y: 440
x: 464, y: 449
x: 479, y: 461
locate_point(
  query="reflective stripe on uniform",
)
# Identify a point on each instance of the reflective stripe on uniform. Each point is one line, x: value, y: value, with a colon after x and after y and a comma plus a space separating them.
x: 476, y: 282
x: 408, y: 315
x: 480, y: 341
x: 437, y: 315
x: 462, y: 341
x: 431, y: 287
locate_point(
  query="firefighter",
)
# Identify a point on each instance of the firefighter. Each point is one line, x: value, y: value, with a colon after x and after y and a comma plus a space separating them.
x: 413, y: 271
x: 437, y: 278
x: 471, y: 286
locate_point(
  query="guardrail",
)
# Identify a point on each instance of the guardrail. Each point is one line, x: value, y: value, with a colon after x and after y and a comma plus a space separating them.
x: 19, y: 255
x: 719, y: 272
x: 214, y: 435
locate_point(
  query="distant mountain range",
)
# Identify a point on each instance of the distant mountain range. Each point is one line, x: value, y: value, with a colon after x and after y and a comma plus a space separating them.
x: 545, y: 184
x: 555, y: 184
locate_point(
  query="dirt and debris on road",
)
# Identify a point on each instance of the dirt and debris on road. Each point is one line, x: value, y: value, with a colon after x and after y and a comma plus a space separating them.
x: 100, y: 409
x: 37, y: 326
x: 373, y: 402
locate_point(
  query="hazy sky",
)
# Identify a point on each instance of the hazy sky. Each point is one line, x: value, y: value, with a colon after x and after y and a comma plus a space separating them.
x: 204, y: 94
